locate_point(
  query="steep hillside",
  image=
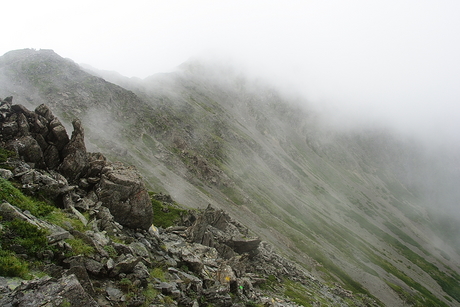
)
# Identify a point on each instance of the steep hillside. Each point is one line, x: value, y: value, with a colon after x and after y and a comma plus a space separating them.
x: 351, y: 207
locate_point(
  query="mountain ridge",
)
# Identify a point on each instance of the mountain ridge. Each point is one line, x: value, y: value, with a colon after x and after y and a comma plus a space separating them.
x: 316, y: 194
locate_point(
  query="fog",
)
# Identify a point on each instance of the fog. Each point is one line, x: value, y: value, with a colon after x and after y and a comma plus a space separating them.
x: 392, y: 62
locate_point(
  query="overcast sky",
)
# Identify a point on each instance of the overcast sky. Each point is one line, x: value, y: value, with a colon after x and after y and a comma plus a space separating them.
x: 392, y: 60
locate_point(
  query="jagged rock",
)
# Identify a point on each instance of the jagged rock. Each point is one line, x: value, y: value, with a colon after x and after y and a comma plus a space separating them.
x: 215, y: 228
x: 225, y: 275
x: 141, y: 272
x: 243, y: 245
x: 50, y: 183
x: 94, y: 267
x: 126, y: 265
x: 44, y: 111
x: 75, y: 161
x: 122, y: 190
x: 139, y: 249
x: 58, y: 236
x: 28, y: 149
x: 114, y: 294
x: 168, y: 288
x: 52, y: 157
x: 47, y: 291
x: 218, y: 295
x: 96, y: 162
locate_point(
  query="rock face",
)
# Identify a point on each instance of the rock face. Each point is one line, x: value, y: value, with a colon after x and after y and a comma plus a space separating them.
x: 40, y: 139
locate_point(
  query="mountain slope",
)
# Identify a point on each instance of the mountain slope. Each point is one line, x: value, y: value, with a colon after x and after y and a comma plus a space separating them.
x: 350, y: 206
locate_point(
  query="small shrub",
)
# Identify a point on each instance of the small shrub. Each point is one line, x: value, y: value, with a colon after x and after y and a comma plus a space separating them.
x: 79, y: 247
x: 126, y: 285
x: 111, y: 251
x: 5, y: 154
x: 28, y: 237
x: 165, y: 215
x: 12, y: 266
x: 158, y: 273
x: 150, y: 294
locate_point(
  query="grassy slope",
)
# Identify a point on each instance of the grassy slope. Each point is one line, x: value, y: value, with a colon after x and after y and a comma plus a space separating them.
x: 332, y: 201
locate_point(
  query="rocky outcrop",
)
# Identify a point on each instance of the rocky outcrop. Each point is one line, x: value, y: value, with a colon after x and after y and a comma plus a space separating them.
x: 206, y: 259
x: 122, y: 191
x: 62, y: 168
x: 75, y: 161
x: 215, y: 228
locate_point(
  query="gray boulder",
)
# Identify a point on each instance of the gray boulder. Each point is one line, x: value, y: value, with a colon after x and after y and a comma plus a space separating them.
x: 122, y: 190
x: 46, y: 291
x: 75, y: 160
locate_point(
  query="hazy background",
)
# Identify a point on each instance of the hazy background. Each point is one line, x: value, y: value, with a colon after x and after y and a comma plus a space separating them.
x: 363, y: 61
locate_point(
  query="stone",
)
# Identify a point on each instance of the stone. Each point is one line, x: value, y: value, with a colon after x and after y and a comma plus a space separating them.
x: 122, y: 190
x: 94, y: 267
x: 126, y: 265
x: 44, y: 111
x: 139, y: 249
x: 114, y: 294
x: 6, y: 174
x: 74, y: 154
x: 28, y: 149
x: 47, y: 291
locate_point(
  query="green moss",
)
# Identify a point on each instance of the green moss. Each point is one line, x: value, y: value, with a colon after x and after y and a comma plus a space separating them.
x: 12, y: 266
x: 79, y: 247
x: 65, y: 220
x: 297, y: 293
x: 158, y: 273
x: 165, y: 215
x: 16, y: 198
x: 111, y: 251
x: 5, y: 154
x: 19, y: 234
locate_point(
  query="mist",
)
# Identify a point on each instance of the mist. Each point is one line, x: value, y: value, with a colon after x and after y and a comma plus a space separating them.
x: 358, y: 62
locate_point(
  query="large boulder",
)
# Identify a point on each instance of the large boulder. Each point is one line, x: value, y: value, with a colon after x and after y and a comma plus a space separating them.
x: 66, y: 291
x: 122, y: 190
x: 215, y: 228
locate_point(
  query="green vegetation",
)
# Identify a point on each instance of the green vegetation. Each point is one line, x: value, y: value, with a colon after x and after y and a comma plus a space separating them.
x: 12, y: 266
x: 23, y: 236
x: 126, y: 285
x: 16, y: 198
x: 150, y: 294
x: 165, y: 215
x: 111, y: 251
x: 4, y: 155
x: 79, y: 247
x: 20, y: 237
x: 65, y: 220
x: 297, y: 293
x: 158, y: 273
x: 448, y: 283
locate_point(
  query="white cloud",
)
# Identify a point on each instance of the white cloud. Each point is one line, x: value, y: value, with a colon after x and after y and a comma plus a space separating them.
x: 396, y: 60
